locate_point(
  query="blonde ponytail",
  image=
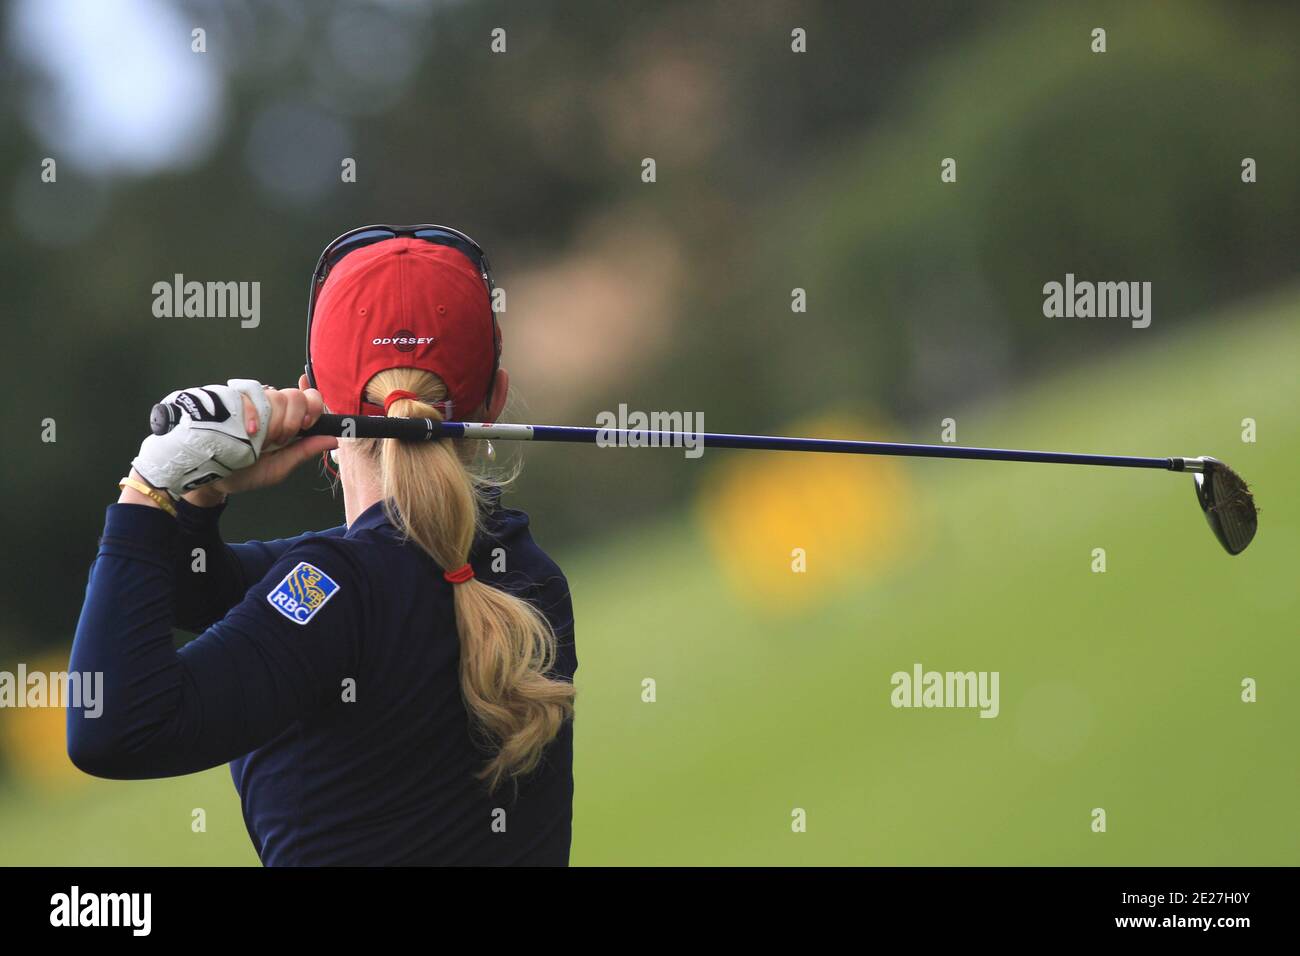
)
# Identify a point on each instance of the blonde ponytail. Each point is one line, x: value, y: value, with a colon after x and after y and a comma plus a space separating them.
x: 507, y: 647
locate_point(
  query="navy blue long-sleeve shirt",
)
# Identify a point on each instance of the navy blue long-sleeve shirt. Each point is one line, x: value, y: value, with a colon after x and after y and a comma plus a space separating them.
x: 327, y: 675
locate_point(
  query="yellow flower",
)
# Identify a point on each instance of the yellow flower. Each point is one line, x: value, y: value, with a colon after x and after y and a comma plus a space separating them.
x: 34, y: 739
x: 791, y: 527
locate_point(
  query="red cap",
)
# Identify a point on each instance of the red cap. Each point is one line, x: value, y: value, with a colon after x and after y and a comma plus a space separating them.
x: 403, y: 303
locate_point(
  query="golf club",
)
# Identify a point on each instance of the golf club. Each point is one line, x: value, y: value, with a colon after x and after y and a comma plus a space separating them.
x: 1224, y: 497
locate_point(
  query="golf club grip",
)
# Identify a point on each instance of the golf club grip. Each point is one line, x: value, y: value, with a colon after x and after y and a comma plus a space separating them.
x: 376, y: 426
x: 163, y: 418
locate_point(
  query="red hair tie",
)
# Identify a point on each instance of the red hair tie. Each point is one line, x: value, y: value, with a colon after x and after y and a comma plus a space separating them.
x: 460, y: 575
x: 396, y: 394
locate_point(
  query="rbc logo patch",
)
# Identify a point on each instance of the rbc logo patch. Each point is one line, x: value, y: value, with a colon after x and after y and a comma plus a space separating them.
x: 302, y: 593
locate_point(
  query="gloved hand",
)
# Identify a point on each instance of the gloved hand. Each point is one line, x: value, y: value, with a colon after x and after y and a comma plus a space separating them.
x: 211, y: 440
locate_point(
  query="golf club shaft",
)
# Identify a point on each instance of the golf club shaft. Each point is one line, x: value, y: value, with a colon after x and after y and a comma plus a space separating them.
x: 364, y: 426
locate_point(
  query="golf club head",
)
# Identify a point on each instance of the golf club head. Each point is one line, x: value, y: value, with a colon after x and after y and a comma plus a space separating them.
x: 1228, y: 505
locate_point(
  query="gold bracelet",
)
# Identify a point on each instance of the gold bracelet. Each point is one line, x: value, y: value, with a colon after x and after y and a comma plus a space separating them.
x: 159, y: 498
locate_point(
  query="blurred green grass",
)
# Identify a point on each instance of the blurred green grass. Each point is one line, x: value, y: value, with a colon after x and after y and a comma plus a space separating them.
x: 1118, y: 690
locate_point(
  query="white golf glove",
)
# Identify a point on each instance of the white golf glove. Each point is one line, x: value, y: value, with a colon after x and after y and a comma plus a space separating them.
x: 210, y: 441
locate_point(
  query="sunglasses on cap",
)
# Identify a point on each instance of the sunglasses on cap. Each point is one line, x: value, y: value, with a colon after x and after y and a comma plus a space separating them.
x: 363, y: 236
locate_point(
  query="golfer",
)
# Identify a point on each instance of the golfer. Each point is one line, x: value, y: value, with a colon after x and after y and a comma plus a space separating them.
x: 394, y: 691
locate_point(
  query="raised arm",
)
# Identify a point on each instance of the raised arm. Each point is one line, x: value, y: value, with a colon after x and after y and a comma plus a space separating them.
x: 167, y: 712
x: 213, y: 576
x: 275, y: 657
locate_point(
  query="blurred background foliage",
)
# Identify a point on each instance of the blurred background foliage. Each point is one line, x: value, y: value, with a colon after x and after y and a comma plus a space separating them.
x: 776, y: 171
